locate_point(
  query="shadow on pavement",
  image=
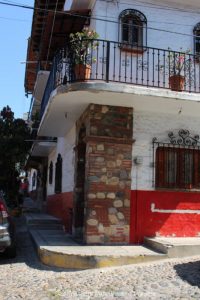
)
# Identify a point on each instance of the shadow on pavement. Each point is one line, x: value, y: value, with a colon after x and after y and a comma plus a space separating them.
x: 189, y: 272
x: 26, y: 252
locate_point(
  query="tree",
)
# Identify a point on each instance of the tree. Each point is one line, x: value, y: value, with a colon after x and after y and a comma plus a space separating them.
x: 13, y: 150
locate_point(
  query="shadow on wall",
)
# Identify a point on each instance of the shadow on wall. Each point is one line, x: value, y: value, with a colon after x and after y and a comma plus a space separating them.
x: 189, y: 272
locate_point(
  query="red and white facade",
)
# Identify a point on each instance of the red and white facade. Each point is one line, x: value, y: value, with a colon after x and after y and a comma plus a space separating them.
x: 104, y: 174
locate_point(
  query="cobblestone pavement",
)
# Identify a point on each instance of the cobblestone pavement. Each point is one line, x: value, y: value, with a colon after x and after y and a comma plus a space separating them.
x: 26, y: 278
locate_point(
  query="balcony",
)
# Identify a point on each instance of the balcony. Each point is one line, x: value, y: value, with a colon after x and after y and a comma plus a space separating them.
x: 114, y: 62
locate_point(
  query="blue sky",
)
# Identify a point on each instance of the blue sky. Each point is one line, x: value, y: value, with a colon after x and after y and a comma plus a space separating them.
x: 15, y: 28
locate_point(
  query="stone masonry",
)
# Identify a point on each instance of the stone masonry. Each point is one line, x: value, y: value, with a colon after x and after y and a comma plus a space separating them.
x: 108, y: 173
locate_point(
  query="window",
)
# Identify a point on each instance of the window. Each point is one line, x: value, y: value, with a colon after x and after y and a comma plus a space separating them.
x: 177, y: 161
x: 177, y: 167
x: 58, y: 175
x: 196, y: 33
x: 132, y: 29
x: 51, y: 173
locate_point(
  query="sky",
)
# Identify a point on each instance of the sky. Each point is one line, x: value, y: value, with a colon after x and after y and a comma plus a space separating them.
x: 15, y: 28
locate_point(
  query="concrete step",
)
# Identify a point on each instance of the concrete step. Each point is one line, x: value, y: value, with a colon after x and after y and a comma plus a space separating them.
x: 55, y: 248
x: 43, y: 221
x: 174, y: 247
x: 46, y: 226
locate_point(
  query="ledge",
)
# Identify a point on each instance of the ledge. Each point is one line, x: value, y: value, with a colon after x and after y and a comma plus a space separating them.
x: 99, y: 86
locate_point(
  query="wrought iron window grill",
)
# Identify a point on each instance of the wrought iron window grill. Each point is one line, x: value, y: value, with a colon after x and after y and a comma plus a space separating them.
x: 176, y: 162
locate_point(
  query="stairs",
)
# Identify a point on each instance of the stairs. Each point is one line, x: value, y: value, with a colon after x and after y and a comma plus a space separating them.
x: 174, y: 247
x: 41, y: 221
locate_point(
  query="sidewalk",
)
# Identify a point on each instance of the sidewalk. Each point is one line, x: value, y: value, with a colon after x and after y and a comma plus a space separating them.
x: 56, y: 248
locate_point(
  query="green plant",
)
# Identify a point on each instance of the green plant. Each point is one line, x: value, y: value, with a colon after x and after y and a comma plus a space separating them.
x: 179, y: 63
x: 82, y: 43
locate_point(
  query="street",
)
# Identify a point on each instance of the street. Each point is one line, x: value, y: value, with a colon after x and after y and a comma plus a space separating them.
x: 26, y: 278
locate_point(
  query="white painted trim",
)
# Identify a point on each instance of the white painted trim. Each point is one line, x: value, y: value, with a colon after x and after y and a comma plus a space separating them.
x: 174, y: 211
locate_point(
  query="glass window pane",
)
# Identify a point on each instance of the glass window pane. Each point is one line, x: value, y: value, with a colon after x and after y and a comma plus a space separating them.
x: 171, y: 166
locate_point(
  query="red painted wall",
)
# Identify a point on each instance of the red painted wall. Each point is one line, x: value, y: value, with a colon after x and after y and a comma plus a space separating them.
x: 60, y: 206
x: 144, y: 222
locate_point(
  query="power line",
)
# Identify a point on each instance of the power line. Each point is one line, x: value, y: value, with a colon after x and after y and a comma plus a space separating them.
x: 153, y: 5
x: 52, y: 27
x: 92, y: 18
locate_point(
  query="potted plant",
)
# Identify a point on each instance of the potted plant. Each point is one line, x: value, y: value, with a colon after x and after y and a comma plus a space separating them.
x: 82, y: 43
x: 180, y: 68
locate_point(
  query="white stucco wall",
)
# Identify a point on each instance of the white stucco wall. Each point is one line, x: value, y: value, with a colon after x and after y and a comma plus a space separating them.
x: 65, y: 146
x: 181, y: 20
x: 148, y: 125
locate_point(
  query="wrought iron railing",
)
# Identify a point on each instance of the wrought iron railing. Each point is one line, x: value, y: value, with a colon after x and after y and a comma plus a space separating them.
x: 116, y: 62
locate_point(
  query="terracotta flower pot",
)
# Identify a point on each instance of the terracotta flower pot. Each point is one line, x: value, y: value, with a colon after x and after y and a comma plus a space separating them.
x: 82, y: 72
x: 177, y: 82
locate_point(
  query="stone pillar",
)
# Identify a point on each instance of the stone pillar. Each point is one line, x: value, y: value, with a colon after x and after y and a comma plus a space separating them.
x: 108, y: 174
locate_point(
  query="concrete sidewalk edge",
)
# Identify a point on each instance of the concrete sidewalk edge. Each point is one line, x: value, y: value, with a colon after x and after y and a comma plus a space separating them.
x: 82, y: 262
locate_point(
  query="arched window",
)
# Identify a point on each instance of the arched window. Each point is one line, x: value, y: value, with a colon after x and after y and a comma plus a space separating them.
x: 51, y: 173
x: 196, y: 32
x: 132, y: 28
x: 58, y: 175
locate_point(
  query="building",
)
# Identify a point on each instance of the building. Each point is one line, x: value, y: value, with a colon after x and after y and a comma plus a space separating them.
x: 118, y: 152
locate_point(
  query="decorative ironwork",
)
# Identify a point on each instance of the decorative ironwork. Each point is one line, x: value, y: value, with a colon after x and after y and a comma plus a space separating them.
x: 196, y: 29
x: 182, y: 138
x: 134, y: 14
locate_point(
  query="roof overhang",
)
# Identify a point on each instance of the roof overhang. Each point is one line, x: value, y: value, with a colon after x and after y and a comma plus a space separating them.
x: 49, y: 33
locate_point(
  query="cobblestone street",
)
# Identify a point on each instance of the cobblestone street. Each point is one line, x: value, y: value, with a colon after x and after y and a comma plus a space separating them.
x: 26, y: 278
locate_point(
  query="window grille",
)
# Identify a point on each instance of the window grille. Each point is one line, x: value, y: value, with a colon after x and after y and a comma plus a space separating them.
x: 196, y: 33
x: 177, y: 162
x: 132, y: 28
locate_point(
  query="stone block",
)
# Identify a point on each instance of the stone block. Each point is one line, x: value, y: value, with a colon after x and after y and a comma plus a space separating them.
x: 100, y: 159
x: 113, y: 181
x: 92, y: 222
x: 112, y: 210
x: 100, y: 147
x: 120, y: 216
x: 111, y: 164
x: 101, y: 228
x: 111, y: 196
x: 104, y: 109
x: 101, y: 195
x: 126, y: 202
x: 118, y: 203
x: 91, y: 196
x: 93, y: 239
x: 113, y: 219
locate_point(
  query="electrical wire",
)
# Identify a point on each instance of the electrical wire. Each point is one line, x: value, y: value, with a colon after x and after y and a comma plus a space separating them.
x: 94, y: 18
x: 153, y: 5
x: 52, y: 27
